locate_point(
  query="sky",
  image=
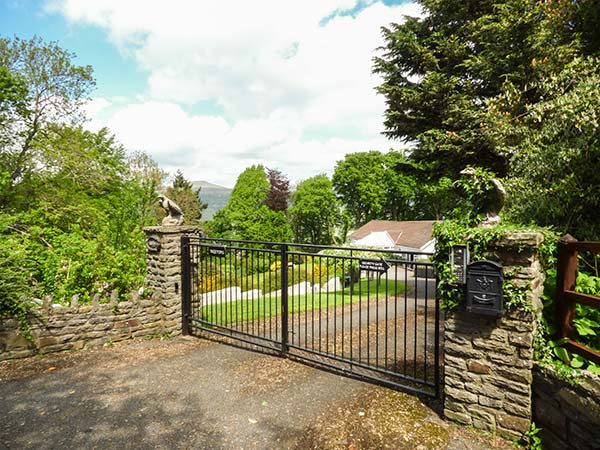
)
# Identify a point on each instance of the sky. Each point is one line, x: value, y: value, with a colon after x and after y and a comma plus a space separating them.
x: 213, y: 87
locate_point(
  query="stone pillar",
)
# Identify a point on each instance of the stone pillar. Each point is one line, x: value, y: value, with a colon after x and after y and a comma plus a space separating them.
x: 163, y: 258
x: 488, y: 361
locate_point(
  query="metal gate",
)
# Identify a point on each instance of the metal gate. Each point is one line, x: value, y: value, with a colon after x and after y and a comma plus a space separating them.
x: 371, y: 314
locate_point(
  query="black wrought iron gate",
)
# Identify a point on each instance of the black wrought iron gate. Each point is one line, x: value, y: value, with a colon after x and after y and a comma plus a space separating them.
x: 369, y: 313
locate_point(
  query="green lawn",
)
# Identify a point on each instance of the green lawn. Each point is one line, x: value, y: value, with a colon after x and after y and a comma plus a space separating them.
x: 231, y: 313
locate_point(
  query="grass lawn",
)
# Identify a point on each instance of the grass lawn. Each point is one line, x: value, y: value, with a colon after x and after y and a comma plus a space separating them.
x: 231, y: 313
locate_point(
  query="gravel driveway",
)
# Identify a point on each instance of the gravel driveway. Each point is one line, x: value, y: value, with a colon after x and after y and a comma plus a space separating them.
x: 188, y: 393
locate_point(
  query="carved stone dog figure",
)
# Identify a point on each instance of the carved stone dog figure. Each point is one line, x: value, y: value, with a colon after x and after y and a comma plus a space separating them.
x: 174, y: 213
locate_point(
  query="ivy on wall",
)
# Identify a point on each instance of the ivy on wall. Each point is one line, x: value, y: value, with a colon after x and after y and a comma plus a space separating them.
x: 480, y: 242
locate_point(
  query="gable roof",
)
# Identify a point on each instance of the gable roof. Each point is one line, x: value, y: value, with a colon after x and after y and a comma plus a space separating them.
x: 413, y: 234
x: 376, y: 239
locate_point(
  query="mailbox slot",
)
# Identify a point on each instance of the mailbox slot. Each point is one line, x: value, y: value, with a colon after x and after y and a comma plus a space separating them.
x: 484, y: 288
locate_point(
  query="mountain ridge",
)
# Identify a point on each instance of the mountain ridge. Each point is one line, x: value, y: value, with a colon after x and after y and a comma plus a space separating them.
x: 215, y: 196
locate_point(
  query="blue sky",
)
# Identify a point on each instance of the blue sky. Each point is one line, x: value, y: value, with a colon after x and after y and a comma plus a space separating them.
x: 213, y: 87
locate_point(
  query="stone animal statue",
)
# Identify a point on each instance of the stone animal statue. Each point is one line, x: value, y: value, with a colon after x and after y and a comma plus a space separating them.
x: 174, y: 213
x: 491, y: 202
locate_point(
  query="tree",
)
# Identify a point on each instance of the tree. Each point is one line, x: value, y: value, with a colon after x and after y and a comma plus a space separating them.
x: 279, y: 191
x: 183, y: 193
x: 494, y: 84
x: 56, y: 89
x: 401, y: 187
x: 79, y: 231
x: 147, y: 179
x: 555, y: 172
x: 358, y: 181
x: 247, y: 215
x: 13, y: 93
x: 439, y: 70
x: 389, y: 186
x: 435, y: 199
x: 315, y: 214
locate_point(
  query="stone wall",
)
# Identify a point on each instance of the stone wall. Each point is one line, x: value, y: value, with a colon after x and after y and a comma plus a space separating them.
x: 164, y: 271
x: 488, y: 361
x: 58, y: 328
x: 569, y: 416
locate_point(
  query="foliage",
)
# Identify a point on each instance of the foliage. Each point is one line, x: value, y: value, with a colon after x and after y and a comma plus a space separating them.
x: 510, y: 86
x: 535, y: 442
x: 72, y: 203
x: 145, y: 179
x: 13, y: 93
x: 80, y: 228
x: 480, y: 240
x: 555, y: 143
x: 358, y: 182
x: 17, y: 286
x: 587, y: 319
x: 55, y: 90
x: 551, y: 351
x: 477, y: 189
x: 316, y: 214
x: 188, y: 199
x: 247, y: 215
x: 374, y: 185
x: 278, y: 196
x: 437, y: 70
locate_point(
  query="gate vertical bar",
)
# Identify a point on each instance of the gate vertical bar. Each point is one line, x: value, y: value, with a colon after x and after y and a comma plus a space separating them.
x: 186, y: 282
x: 284, y: 299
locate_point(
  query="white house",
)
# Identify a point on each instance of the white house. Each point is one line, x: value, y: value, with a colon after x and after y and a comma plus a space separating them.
x: 408, y: 236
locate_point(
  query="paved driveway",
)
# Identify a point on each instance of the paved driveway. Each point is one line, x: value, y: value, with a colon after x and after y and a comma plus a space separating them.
x: 187, y: 393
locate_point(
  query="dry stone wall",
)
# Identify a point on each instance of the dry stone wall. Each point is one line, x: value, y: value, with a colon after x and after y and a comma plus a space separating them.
x: 488, y: 361
x: 57, y: 328
x: 568, y: 415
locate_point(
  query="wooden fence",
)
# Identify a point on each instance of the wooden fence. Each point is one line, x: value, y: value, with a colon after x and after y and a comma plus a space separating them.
x: 567, y: 298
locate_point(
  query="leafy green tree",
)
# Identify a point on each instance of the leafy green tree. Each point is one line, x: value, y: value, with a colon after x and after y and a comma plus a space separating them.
x: 247, y: 215
x: 145, y: 179
x: 495, y: 84
x: 73, y: 202
x: 401, y: 187
x: 13, y: 93
x: 358, y: 180
x: 555, y: 171
x: 56, y: 88
x: 390, y: 186
x: 440, y: 69
x: 315, y: 214
x: 183, y: 193
x: 435, y: 199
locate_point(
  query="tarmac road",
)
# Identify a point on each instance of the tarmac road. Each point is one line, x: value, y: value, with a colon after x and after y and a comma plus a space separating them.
x: 188, y: 393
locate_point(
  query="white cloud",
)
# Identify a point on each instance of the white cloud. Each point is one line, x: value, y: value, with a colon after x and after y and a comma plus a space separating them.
x: 273, y: 67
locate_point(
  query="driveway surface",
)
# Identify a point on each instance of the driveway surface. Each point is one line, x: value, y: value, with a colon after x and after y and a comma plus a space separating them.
x: 189, y: 393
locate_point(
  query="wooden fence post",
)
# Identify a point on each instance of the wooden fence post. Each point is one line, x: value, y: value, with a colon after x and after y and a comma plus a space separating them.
x: 566, y: 277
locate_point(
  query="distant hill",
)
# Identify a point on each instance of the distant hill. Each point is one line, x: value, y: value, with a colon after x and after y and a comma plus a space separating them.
x: 216, y: 196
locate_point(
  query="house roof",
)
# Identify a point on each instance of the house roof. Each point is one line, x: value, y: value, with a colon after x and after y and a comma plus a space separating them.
x: 413, y: 234
x: 376, y: 239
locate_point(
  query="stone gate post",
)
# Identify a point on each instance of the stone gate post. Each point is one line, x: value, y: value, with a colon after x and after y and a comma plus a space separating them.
x: 163, y: 259
x: 488, y: 361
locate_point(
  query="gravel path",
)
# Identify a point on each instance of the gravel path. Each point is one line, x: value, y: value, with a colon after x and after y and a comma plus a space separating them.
x: 188, y: 393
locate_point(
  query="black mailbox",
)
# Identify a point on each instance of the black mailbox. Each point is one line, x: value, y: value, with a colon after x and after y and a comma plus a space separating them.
x: 484, y: 288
